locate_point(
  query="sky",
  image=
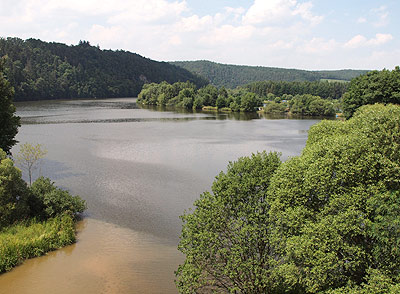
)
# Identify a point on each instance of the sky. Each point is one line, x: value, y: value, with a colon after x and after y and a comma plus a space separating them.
x: 311, y: 34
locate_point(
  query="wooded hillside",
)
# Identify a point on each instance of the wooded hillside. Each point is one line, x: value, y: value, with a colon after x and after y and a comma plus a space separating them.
x: 231, y: 76
x: 42, y: 70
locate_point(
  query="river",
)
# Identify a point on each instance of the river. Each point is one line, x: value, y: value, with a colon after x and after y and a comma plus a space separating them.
x: 138, y: 169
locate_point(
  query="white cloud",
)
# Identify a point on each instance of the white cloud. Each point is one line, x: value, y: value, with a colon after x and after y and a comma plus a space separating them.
x: 355, y: 42
x: 380, y: 39
x: 361, y: 20
x: 194, y: 23
x: 227, y: 34
x: 304, y: 10
x: 382, y: 16
x: 148, y: 11
x: 319, y: 46
x: 274, y: 12
x: 361, y: 41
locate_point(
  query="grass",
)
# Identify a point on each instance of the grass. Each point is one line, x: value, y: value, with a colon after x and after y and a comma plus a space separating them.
x: 23, y: 241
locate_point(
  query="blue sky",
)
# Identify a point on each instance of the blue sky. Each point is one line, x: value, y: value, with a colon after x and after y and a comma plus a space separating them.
x: 280, y: 33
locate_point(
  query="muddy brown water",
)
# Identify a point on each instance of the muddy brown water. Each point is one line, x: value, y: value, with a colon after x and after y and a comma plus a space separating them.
x: 139, y: 170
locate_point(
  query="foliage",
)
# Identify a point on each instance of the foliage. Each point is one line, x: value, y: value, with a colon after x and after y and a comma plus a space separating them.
x: 330, y: 204
x: 332, y: 90
x: 52, y: 201
x: 41, y: 70
x: 225, y: 239
x: 373, y: 87
x: 232, y: 76
x: 13, y: 193
x: 328, y: 220
x: 311, y: 105
x: 185, y: 95
x: 9, y: 122
x: 29, y: 156
x: 23, y: 241
x: 273, y: 107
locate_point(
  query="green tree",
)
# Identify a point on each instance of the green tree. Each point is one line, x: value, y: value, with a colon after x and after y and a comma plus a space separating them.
x: 29, y: 157
x: 9, y: 122
x: 13, y: 192
x: 221, y: 102
x: 372, y: 87
x: 52, y: 201
x: 335, y: 209
x: 226, y: 238
x: 249, y: 102
x: 273, y: 107
x: 326, y: 221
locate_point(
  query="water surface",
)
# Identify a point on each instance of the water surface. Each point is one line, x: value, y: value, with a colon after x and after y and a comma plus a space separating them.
x: 138, y: 169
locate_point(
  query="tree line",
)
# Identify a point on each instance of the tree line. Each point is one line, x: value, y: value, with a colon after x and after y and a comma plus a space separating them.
x: 186, y: 95
x: 232, y: 76
x: 304, y: 105
x: 42, y: 70
x: 324, y: 89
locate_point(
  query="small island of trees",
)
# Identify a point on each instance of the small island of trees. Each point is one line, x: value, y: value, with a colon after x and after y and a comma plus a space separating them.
x: 243, y: 99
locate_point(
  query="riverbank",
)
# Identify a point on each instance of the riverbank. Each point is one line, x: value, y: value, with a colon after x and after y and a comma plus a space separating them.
x: 106, y: 258
x: 23, y: 241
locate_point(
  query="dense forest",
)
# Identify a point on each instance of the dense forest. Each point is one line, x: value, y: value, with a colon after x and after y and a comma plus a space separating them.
x: 324, y: 89
x: 231, y: 76
x: 42, y: 70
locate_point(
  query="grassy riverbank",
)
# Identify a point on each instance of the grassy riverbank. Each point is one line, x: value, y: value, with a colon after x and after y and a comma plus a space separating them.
x: 23, y: 241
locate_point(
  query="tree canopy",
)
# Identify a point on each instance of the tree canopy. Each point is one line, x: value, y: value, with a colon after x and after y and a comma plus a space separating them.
x: 326, y: 221
x: 324, y: 89
x: 232, y: 76
x: 372, y: 87
x: 9, y: 122
x: 185, y: 95
x: 43, y: 70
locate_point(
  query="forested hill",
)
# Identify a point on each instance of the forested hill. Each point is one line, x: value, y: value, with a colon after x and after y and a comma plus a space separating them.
x: 232, y: 76
x: 42, y: 70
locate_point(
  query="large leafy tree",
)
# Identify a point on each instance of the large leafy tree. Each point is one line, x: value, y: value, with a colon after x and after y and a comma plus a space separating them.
x: 372, y: 87
x: 226, y: 238
x: 335, y: 209
x: 9, y: 122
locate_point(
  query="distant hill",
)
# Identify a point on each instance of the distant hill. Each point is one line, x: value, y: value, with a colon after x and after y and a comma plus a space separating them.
x: 232, y: 76
x: 42, y: 70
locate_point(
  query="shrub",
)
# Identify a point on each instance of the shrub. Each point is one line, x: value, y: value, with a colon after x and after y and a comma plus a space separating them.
x: 52, y: 201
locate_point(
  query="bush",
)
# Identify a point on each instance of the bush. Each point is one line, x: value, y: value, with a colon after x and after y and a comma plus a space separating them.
x: 52, y: 201
x: 273, y: 107
x: 13, y: 193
